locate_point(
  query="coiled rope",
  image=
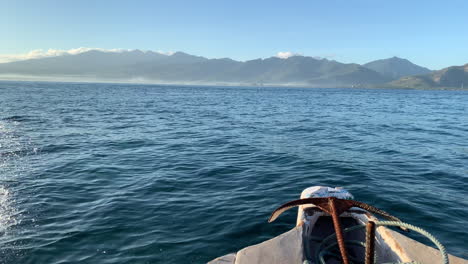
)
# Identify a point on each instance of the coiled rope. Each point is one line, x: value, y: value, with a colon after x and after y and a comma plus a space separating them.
x: 323, y: 250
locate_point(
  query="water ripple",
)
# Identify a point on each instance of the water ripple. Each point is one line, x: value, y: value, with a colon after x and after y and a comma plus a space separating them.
x: 111, y: 173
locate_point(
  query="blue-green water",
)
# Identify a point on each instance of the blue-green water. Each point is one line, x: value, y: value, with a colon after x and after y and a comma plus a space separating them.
x: 107, y: 173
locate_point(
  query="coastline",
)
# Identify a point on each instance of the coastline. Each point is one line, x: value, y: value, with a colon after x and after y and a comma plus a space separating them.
x: 139, y: 81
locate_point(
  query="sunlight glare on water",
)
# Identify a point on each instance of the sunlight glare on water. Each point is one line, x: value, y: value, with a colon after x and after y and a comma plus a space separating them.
x: 7, y: 212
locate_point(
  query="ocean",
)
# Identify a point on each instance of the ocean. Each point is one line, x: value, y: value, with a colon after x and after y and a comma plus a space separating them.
x: 127, y: 173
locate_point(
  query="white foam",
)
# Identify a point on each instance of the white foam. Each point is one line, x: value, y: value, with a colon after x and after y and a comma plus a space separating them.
x: 7, y: 211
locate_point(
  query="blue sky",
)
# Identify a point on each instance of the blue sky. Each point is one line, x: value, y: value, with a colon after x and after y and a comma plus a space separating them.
x: 430, y: 33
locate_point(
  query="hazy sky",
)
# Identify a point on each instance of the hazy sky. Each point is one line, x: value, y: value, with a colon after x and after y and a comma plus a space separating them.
x: 430, y: 33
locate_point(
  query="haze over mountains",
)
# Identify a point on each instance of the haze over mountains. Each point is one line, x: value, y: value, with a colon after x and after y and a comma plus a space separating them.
x: 183, y: 68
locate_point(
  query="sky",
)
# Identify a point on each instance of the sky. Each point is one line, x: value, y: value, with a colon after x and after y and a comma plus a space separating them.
x: 433, y: 34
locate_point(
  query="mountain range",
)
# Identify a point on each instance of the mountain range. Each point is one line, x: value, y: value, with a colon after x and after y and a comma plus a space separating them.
x: 183, y: 68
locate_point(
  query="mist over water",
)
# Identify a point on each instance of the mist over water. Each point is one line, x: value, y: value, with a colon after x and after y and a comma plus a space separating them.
x: 121, y: 173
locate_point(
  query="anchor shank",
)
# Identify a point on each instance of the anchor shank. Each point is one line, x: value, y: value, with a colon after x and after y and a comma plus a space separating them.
x: 338, y: 230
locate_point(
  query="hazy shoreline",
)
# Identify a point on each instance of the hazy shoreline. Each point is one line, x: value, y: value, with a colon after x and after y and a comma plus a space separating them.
x: 76, y: 79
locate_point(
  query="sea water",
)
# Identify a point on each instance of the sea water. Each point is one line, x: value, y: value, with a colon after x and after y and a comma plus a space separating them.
x: 122, y: 173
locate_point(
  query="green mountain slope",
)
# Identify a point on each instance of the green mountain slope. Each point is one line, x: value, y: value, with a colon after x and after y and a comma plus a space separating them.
x: 451, y: 77
x: 396, y: 67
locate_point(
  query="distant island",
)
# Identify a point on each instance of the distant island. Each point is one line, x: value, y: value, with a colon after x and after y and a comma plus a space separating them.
x: 183, y: 68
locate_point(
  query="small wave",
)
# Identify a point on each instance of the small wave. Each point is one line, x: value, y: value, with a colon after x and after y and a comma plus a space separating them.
x: 16, y: 118
x: 17, y: 153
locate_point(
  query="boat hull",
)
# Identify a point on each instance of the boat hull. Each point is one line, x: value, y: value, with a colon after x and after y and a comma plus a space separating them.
x: 296, y: 246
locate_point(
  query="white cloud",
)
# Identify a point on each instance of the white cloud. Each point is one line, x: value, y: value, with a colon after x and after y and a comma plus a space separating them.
x: 168, y: 53
x: 39, y: 53
x: 286, y: 54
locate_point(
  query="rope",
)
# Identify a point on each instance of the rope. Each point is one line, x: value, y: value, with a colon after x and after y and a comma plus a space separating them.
x: 320, y: 253
x: 421, y: 231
